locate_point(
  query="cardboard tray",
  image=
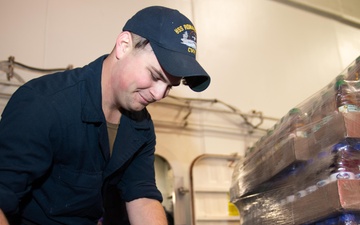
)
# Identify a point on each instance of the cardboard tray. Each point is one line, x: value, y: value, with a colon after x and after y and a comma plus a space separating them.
x: 327, y: 201
x: 276, y: 157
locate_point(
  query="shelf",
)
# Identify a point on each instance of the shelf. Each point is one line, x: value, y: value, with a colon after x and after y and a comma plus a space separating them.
x: 218, y: 218
x: 212, y: 189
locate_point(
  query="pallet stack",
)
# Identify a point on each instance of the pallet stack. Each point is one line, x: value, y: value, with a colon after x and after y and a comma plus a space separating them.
x: 306, y: 170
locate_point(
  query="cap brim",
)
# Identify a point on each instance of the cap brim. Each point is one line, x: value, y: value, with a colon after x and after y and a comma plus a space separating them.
x: 181, y: 65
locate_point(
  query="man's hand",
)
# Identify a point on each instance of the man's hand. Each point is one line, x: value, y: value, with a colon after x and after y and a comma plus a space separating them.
x: 146, y: 211
x: 3, y: 220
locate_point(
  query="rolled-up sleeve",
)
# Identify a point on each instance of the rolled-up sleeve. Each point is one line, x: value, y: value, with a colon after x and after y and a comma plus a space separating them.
x: 138, y: 180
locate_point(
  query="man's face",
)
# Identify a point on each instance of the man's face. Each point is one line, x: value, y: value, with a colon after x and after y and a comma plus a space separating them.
x: 138, y: 79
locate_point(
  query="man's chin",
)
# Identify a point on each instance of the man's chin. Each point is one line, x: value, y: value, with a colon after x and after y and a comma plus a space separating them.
x: 137, y: 108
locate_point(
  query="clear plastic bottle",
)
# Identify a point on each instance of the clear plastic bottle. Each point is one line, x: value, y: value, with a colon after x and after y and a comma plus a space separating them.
x: 297, y: 122
x: 357, y: 91
x: 343, y: 155
x: 347, y: 219
x: 354, y: 164
x: 346, y: 95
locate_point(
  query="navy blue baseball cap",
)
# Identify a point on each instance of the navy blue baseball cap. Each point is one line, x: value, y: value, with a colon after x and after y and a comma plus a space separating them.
x: 172, y: 37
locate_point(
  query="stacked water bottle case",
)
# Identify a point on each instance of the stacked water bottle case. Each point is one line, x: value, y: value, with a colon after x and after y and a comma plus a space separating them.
x: 306, y: 170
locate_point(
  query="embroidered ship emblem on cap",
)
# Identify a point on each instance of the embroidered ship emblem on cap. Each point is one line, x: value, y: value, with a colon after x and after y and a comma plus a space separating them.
x: 189, y: 40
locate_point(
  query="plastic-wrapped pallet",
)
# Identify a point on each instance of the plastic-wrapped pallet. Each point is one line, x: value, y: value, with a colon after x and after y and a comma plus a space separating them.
x: 307, y: 167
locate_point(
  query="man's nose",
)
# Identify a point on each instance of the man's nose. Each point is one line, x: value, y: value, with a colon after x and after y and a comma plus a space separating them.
x: 160, y: 90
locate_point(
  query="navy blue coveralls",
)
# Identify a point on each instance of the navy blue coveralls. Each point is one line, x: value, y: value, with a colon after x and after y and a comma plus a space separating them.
x: 55, y: 163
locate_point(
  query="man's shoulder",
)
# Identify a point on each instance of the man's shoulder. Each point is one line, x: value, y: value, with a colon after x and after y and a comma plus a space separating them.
x: 59, y: 81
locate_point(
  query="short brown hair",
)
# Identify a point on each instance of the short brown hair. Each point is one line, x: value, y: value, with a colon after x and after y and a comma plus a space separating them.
x: 139, y: 42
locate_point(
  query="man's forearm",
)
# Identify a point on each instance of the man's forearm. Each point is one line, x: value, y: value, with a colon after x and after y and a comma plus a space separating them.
x: 3, y: 220
x: 146, y: 211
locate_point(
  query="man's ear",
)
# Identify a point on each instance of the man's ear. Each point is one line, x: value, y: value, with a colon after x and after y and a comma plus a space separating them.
x: 123, y: 44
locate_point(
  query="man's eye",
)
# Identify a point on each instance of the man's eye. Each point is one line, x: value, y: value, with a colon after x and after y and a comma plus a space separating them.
x: 154, y: 78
